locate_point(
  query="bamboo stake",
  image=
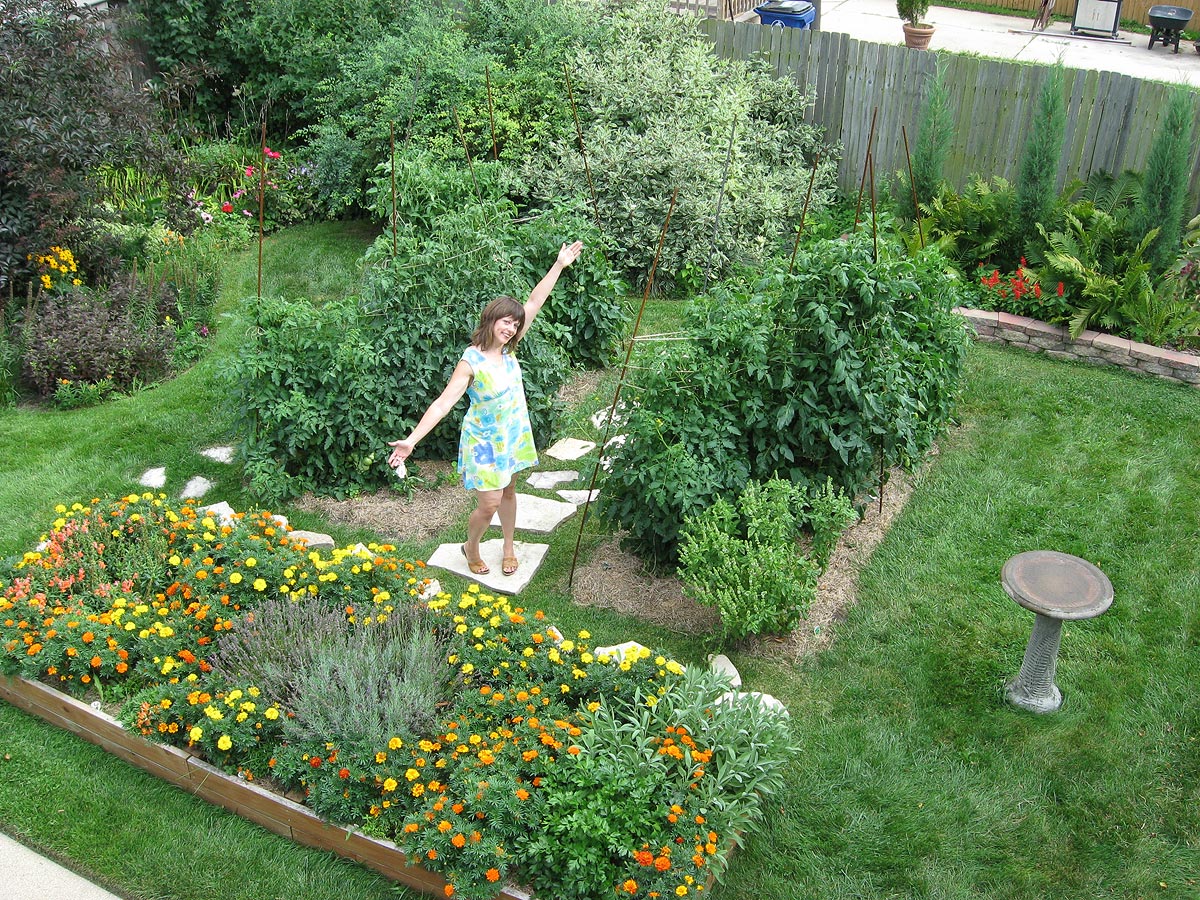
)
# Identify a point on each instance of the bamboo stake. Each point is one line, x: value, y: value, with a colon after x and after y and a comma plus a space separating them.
x: 720, y: 200
x: 487, y: 74
x: 874, y: 227
x: 804, y: 212
x: 587, y: 169
x: 620, y: 381
x: 912, y: 184
x: 882, y: 480
x: 262, y: 201
x: 863, y: 182
x: 462, y: 136
x: 395, y: 249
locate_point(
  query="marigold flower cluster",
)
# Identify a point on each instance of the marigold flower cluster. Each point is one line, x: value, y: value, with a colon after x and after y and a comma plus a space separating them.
x: 57, y: 268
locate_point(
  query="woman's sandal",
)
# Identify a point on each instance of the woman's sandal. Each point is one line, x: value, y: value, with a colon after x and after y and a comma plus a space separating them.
x: 478, y: 566
x: 510, y: 565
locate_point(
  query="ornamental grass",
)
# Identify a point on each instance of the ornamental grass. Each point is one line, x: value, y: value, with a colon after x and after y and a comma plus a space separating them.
x: 469, y: 730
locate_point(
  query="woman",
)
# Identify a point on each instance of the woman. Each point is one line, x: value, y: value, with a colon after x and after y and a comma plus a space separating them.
x: 496, y: 440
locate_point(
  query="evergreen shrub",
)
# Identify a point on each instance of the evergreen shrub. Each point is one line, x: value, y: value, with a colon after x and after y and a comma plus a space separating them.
x: 806, y: 376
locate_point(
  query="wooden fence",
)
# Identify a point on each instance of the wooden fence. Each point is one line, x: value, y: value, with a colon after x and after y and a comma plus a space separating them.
x: 1112, y: 119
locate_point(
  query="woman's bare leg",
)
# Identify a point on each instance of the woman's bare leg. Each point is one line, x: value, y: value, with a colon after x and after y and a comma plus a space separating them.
x: 508, y: 517
x: 487, y: 503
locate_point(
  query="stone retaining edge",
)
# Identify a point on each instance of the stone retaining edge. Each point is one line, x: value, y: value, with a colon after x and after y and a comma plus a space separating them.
x: 1090, y: 347
x: 246, y: 799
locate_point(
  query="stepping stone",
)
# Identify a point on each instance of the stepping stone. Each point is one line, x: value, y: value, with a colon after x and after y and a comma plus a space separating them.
x: 766, y: 701
x: 220, y: 454
x: 630, y: 650
x: 197, y: 487
x: 222, y: 511
x: 154, y: 478
x: 548, y: 480
x: 580, y: 497
x: 450, y: 558
x: 539, y: 514
x: 570, y: 448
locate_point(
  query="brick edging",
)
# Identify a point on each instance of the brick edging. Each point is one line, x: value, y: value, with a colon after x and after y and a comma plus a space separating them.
x: 246, y: 799
x: 1090, y: 347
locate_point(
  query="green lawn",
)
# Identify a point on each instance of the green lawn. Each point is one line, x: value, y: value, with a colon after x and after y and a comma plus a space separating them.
x: 915, y: 779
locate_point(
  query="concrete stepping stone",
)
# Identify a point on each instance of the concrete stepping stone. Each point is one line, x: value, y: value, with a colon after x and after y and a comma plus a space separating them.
x: 196, y: 487
x: 539, y: 513
x: 547, y: 480
x: 314, y: 539
x: 766, y: 701
x: 570, y: 448
x: 154, y: 478
x: 721, y: 664
x: 220, y: 454
x: 223, y: 512
x: 630, y: 650
x: 530, y: 556
x: 579, y: 497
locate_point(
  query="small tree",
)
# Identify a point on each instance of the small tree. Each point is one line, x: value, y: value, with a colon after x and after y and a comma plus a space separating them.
x: 912, y: 11
x: 1164, y: 185
x: 1039, y: 161
x: 933, y: 143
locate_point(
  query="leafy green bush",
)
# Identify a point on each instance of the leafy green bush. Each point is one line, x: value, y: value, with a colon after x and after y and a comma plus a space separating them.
x: 970, y: 227
x: 806, y: 376
x: 1164, y: 184
x: 658, y: 108
x: 745, y: 561
x: 67, y: 108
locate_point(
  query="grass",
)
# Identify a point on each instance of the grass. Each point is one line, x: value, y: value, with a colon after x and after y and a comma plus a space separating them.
x: 915, y: 779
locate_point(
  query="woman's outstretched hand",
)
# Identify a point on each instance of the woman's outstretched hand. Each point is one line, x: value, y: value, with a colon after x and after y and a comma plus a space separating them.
x: 568, y: 253
x: 401, y: 451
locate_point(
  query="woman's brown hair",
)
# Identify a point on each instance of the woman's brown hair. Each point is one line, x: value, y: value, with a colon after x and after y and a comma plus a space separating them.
x: 501, y: 308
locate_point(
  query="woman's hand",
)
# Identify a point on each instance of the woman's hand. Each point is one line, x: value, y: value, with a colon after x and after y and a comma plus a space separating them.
x: 402, y: 450
x: 568, y: 253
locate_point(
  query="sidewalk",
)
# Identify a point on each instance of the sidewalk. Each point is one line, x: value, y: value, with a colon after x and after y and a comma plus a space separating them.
x: 27, y: 875
x: 1012, y: 38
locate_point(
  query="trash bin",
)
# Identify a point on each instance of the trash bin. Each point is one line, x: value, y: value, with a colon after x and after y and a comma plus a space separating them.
x: 788, y: 13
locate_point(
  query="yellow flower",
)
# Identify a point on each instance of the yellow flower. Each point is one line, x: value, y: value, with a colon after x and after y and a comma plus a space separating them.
x: 260, y: 584
x: 224, y: 742
x: 196, y: 733
x: 235, y: 578
x: 390, y: 785
x: 271, y: 713
x: 395, y: 743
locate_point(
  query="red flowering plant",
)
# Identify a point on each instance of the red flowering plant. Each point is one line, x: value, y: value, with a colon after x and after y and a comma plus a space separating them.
x: 1021, y: 293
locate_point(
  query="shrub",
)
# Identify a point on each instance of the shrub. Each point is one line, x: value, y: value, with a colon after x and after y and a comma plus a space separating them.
x: 1164, y: 183
x: 933, y: 144
x: 804, y: 376
x: 67, y: 107
x: 972, y: 227
x: 80, y: 337
x: 746, y: 561
x: 1039, y: 160
x: 658, y: 108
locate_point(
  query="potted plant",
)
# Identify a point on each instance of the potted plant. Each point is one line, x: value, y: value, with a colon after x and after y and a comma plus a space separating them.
x: 916, y: 32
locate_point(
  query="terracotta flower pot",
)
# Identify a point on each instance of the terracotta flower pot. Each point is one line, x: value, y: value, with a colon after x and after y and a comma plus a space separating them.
x: 917, y: 37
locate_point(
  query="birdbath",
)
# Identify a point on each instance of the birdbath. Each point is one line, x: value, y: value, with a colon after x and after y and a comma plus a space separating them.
x: 1056, y: 587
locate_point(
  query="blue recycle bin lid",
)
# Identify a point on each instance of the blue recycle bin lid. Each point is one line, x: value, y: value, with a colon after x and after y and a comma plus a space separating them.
x: 785, y: 7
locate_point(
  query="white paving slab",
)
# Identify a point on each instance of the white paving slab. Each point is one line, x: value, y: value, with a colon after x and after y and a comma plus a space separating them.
x: 539, y: 513
x: 530, y: 556
x: 223, y: 512
x: 548, y: 480
x: 721, y: 664
x: 570, y: 448
x: 220, y: 454
x: 579, y: 497
x: 154, y: 478
x: 196, y: 487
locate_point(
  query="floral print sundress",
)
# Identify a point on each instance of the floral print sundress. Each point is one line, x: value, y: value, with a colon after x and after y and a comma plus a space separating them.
x: 496, y: 440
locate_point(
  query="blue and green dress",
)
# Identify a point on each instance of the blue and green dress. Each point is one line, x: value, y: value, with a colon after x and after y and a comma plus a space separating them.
x: 496, y: 440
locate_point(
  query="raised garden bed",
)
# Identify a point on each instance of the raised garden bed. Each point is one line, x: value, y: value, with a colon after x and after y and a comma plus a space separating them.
x: 246, y: 799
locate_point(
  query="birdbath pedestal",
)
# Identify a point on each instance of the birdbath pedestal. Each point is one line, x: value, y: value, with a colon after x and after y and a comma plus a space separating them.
x: 1056, y: 587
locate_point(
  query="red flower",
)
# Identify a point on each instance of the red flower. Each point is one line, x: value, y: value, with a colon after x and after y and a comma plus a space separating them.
x: 226, y: 207
x: 1037, y: 290
x: 315, y: 762
x: 343, y: 774
x: 1060, y: 289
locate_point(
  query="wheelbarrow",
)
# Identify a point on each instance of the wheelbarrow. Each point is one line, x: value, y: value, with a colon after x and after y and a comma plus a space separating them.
x: 1166, y: 25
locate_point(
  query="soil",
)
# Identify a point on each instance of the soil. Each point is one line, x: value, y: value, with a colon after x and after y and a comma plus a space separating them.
x: 616, y: 580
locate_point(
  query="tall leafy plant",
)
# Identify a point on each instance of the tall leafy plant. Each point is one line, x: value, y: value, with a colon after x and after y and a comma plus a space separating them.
x: 933, y: 144
x: 1164, y: 184
x: 1039, y: 161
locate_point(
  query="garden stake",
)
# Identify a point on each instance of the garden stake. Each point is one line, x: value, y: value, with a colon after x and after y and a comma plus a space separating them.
x: 587, y: 169
x: 874, y: 228
x: 262, y: 199
x: 392, y: 127
x: 882, y: 480
x: 863, y: 183
x: 487, y: 74
x: 804, y: 213
x: 913, y: 185
x: 462, y: 136
x: 720, y: 199
x: 620, y: 381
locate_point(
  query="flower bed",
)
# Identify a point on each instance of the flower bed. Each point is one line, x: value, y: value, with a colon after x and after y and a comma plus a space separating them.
x: 464, y: 734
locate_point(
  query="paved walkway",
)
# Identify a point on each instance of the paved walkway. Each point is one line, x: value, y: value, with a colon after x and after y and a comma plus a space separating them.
x: 26, y: 875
